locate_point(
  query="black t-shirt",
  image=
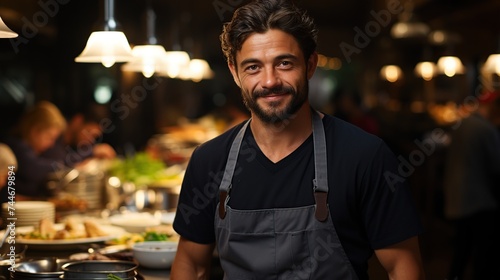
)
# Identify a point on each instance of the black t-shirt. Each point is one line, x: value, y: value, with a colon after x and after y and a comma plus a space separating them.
x: 371, y: 206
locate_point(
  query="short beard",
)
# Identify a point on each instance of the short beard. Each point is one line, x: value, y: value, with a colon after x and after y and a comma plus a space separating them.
x: 275, y: 116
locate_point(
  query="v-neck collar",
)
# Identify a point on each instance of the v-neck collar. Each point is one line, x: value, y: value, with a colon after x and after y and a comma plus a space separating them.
x: 275, y: 166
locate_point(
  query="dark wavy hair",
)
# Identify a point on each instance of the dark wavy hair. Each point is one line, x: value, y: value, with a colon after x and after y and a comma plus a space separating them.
x: 260, y: 16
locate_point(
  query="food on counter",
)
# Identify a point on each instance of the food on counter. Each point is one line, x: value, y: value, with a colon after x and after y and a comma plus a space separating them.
x: 140, y: 169
x: 161, y: 233
x: 47, y: 230
x: 68, y: 202
x: 113, y: 277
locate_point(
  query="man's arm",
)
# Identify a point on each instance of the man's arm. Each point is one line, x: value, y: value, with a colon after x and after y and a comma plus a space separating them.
x: 192, y: 261
x: 402, y: 261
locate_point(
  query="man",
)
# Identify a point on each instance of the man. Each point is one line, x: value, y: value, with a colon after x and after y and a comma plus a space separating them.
x: 79, y: 142
x: 471, y: 189
x: 291, y: 194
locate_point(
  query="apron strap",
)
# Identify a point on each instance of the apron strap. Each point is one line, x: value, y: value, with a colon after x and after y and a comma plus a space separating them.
x: 320, y: 181
x: 232, y: 158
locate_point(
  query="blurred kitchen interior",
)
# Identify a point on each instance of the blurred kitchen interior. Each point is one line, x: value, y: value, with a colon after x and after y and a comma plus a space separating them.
x: 356, y: 40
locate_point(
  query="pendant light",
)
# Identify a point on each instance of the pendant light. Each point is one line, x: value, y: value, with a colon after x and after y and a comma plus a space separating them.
x: 450, y: 66
x: 177, y: 59
x: 6, y: 32
x: 492, y: 64
x: 426, y: 69
x: 391, y: 73
x: 197, y: 70
x: 108, y: 46
x: 151, y: 58
x: 408, y: 26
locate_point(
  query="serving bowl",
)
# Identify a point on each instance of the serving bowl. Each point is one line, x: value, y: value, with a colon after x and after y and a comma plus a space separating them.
x: 155, y: 254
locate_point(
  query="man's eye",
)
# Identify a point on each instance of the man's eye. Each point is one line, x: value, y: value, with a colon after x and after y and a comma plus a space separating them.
x: 286, y: 64
x: 252, y: 68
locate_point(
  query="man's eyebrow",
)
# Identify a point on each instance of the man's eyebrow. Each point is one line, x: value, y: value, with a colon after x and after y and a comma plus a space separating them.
x: 278, y: 58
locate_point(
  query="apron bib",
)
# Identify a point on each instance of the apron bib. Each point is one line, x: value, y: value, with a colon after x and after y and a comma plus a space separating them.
x: 283, y: 243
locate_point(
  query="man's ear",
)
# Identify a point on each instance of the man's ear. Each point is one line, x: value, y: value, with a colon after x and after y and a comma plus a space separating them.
x: 234, y: 72
x: 312, y: 64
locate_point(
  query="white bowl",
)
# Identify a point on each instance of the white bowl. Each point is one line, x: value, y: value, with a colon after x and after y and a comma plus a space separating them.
x: 155, y: 254
x: 135, y: 222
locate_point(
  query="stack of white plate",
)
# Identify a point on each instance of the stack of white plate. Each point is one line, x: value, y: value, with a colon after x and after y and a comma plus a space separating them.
x: 28, y: 213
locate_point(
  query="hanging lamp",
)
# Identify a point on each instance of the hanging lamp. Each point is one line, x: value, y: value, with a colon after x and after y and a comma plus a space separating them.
x: 177, y: 59
x: 492, y: 64
x: 151, y: 58
x: 6, y: 32
x: 108, y: 46
x: 197, y: 70
x: 426, y: 69
x: 450, y: 66
x: 391, y: 73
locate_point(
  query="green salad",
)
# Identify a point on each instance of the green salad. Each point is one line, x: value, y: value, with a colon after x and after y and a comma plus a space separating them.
x: 140, y: 169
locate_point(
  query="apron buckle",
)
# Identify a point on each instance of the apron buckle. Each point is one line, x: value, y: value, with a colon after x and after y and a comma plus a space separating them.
x: 321, y: 212
x: 222, y: 204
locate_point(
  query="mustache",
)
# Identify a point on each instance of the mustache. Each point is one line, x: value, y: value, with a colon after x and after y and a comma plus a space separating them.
x: 277, y: 90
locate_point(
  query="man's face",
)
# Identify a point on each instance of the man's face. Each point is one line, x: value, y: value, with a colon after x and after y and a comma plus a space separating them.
x: 273, y: 75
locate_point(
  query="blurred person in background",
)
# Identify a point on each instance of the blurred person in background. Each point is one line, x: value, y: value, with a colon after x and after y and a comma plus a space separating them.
x: 8, y: 163
x: 36, y: 131
x: 349, y: 107
x: 80, y: 142
x: 471, y: 190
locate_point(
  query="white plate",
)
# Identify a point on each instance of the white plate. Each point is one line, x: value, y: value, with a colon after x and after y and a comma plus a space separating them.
x: 167, y: 218
x: 134, y: 222
x: 112, y: 231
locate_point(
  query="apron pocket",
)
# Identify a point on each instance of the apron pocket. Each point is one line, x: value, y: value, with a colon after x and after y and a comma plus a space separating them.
x: 293, y: 256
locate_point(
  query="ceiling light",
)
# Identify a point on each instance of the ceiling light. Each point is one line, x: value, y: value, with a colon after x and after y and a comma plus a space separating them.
x: 450, y: 66
x: 176, y: 61
x: 409, y: 29
x: 147, y: 59
x: 108, y: 46
x: 6, y: 32
x: 426, y: 70
x: 391, y: 73
x: 407, y: 26
x: 197, y: 70
x: 492, y: 64
x: 150, y: 58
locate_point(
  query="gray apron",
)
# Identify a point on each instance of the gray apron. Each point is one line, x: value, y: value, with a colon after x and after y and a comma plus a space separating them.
x: 283, y: 243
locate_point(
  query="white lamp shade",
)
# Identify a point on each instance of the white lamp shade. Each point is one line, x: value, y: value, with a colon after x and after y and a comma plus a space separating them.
x: 197, y: 70
x: 409, y: 29
x: 450, y: 66
x: 6, y: 32
x: 106, y: 47
x: 492, y: 64
x: 176, y: 61
x: 426, y: 69
x: 391, y: 73
x: 147, y: 59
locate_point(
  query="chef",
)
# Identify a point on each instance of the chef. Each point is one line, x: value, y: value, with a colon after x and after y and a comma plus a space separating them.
x: 291, y: 193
